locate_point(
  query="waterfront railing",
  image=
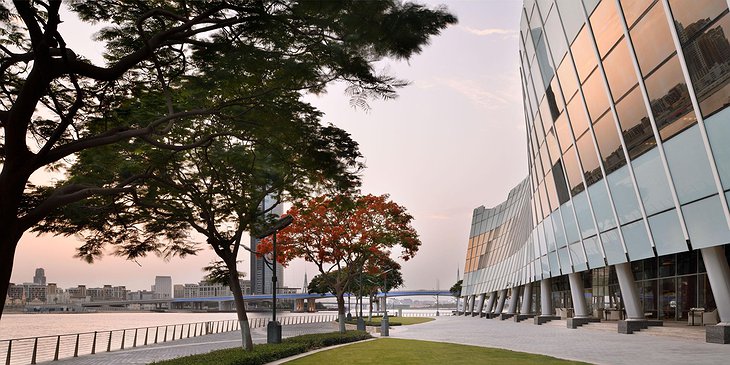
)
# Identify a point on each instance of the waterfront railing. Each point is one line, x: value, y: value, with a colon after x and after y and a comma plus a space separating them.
x: 32, y: 350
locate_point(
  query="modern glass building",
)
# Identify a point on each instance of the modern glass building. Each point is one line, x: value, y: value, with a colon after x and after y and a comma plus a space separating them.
x: 625, y: 208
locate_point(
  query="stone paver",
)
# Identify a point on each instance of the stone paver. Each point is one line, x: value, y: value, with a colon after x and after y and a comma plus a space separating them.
x: 189, y: 346
x: 583, y: 344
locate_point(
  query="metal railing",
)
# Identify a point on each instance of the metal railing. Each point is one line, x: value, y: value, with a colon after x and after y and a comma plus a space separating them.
x: 31, y: 350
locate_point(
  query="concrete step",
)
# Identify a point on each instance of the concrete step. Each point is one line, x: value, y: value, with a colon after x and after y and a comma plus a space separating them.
x: 688, y: 333
x: 557, y: 323
x: 601, y: 326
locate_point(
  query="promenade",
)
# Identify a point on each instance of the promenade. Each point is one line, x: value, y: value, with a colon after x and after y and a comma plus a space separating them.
x: 594, y: 344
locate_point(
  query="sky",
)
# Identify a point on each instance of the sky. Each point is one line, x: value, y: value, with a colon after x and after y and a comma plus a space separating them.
x: 453, y: 140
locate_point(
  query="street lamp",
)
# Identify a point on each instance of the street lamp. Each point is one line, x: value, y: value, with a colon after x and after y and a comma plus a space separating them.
x: 273, y: 329
x: 384, y: 324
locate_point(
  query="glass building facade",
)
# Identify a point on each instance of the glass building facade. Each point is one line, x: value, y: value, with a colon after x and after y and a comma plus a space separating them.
x: 628, y: 130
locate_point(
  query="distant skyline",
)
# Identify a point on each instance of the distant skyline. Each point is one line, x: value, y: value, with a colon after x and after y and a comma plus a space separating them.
x: 454, y: 139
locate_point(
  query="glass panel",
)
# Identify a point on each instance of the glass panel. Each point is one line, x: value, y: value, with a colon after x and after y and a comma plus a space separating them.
x: 565, y: 260
x: 593, y: 251
x: 551, y: 191
x: 576, y: 253
x: 609, y: 144
x: 554, y: 265
x: 691, y: 16
x: 708, y: 62
x: 566, y: 74
x: 563, y: 131
x: 560, y: 240
x: 545, y: 263
x: 572, y: 17
x: 571, y: 228
x: 545, y: 158
x: 555, y: 101
x: 706, y: 223
x: 594, y: 91
x: 561, y: 186
x: 635, y: 124
x: 552, y: 145
x: 589, y: 159
x: 667, y: 233
x: 583, y: 54
x: 547, y: 225
x: 546, y: 114
x: 618, y: 69
x: 545, y: 62
x: 601, y: 207
x: 670, y: 100
x: 606, y: 26
x: 652, y: 40
x: 637, y: 241
x: 590, y: 5
x: 667, y: 266
x: 633, y: 9
x: 573, y: 171
x: 577, y: 115
x: 583, y: 212
x: 653, y: 185
x: 537, y: 79
x: 612, y: 246
x: 689, y: 166
x: 555, y: 35
x: 624, y: 197
x: 718, y: 132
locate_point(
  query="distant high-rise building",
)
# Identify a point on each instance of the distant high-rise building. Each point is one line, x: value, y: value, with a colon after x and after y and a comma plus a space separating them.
x: 162, y: 287
x: 260, y: 273
x: 40, y: 276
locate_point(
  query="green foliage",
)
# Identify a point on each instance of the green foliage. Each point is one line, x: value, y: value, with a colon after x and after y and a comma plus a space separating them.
x: 456, y: 289
x: 265, y: 353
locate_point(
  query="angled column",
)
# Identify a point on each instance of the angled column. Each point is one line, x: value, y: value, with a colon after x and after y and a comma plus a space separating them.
x: 512, y: 307
x: 471, y: 304
x: 500, y: 301
x: 526, y: 303
x: 580, y: 308
x: 546, y: 303
x: 635, y: 319
x: 480, y: 305
x: 718, y: 273
x: 490, y: 304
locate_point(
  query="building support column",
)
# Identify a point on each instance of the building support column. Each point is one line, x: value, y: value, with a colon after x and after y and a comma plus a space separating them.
x: 718, y: 273
x: 490, y: 304
x: 500, y: 301
x: 512, y: 307
x: 635, y: 319
x: 546, y: 303
x: 580, y: 308
x: 480, y: 305
x: 526, y: 303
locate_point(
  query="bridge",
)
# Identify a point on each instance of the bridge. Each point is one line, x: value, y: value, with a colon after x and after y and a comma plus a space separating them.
x: 226, y: 302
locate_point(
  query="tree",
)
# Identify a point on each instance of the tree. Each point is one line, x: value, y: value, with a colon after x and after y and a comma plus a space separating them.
x: 186, y: 63
x: 342, y: 233
x: 456, y: 292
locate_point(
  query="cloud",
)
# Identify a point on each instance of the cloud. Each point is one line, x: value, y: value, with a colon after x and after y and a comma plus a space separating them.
x: 478, y: 94
x: 490, y: 31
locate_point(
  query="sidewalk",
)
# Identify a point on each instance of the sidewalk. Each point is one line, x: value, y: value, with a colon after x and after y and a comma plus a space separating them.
x: 189, y: 346
x: 582, y: 344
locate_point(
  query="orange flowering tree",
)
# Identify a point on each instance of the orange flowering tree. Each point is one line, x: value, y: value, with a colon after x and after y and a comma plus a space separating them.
x: 342, y: 234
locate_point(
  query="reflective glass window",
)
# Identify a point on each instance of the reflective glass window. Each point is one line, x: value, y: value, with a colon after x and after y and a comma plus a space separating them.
x: 563, y: 131
x: 564, y: 260
x: 609, y: 144
x: 566, y: 74
x: 667, y: 233
x: 537, y: 78
x: 652, y: 181
x: 670, y: 102
x: 545, y: 7
x: 590, y: 5
x: 560, y: 240
x: 689, y: 166
x: 571, y: 228
x: 708, y: 62
x: 652, y: 40
x: 601, y: 207
x: 706, y: 223
x: 583, y: 54
x: 547, y: 225
x: 637, y: 241
x: 555, y: 101
x: 612, y: 246
x: 552, y: 144
x: 561, y: 186
x: 624, y: 197
x: 593, y: 252
x: 718, y: 132
x: 572, y: 16
x: 545, y: 62
x: 585, y: 217
x: 633, y: 9
x: 551, y: 191
x: 539, y: 131
x: 606, y: 26
x: 544, y: 200
x: 554, y: 264
x: 555, y: 36
x: 635, y: 124
x: 692, y: 16
x: 576, y: 253
x: 573, y: 171
x: 577, y: 115
x: 589, y: 159
x: 618, y: 69
x: 547, y: 115
x: 545, y: 263
x: 545, y: 157
x: 594, y: 91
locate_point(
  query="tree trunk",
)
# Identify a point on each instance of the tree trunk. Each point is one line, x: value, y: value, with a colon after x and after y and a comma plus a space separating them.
x: 8, y: 243
x: 341, y: 310
x: 370, y: 312
x: 235, y: 286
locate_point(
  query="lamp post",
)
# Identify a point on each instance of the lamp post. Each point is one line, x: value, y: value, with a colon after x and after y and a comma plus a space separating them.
x: 384, y: 325
x: 273, y: 329
x: 360, y: 321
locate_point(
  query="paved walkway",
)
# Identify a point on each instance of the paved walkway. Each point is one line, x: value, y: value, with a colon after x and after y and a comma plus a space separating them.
x: 189, y: 346
x: 583, y: 344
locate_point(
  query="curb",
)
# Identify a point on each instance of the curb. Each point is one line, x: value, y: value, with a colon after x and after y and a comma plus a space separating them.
x: 290, y: 358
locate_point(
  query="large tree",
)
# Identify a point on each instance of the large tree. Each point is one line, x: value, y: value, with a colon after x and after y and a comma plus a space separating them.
x: 171, y: 67
x: 341, y: 233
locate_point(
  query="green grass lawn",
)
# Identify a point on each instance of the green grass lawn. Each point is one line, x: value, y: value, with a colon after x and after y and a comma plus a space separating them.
x: 403, y: 352
x: 395, y: 321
